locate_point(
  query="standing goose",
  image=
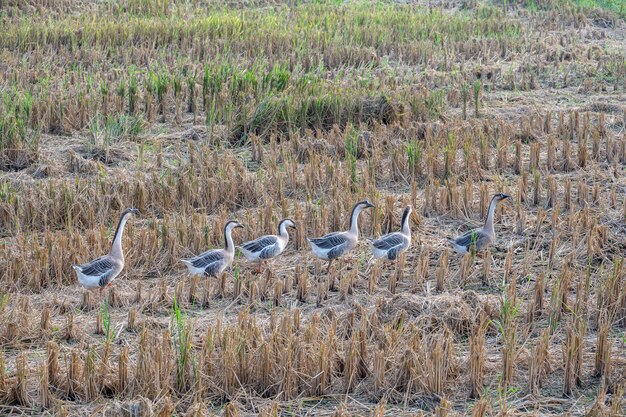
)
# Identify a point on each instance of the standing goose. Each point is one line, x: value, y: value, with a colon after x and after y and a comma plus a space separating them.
x: 268, y: 246
x: 101, y: 272
x: 215, y: 261
x: 336, y: 244
x: 482, y: 237
x: 390, y: 246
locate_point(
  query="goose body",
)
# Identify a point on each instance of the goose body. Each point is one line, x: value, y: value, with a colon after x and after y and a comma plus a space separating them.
x: 268, y: 246
x: 215, y: 261
x: 98, y: 273
x: 480, y: 238
x: 475, y: 237
x: 334, y: 245
x: 101, y: 272
x: 390, y: 246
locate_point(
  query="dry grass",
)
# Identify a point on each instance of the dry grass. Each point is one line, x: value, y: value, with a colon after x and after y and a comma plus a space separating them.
x: 196, y: 113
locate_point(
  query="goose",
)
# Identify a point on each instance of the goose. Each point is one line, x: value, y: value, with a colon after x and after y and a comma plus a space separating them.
x: 482, y: 237
x: 101, y: 272
x: 336, y: 244
x: 269, y: 246
x: 215, y: 261
x: 390, y: 246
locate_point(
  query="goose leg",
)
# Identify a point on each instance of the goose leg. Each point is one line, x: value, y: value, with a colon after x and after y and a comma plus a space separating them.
x: 330, y: 262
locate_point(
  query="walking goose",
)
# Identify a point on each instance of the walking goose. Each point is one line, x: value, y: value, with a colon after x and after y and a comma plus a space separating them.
x: 336, y: 244
x: 479, y: 239
x: 390, y: 246
x: 215, y: 261
x: 268, y: 246
x: 101, y: 272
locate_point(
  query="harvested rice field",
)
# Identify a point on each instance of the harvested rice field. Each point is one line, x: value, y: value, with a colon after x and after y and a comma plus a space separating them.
x: 502, y: 124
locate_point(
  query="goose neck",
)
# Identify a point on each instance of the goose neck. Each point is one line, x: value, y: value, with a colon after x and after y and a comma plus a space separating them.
x: 406, y: 228
x: 116, y: 248
x: 490, y: 215
x: 228, y: 239
x: 354, y: 221
x: 283, y: 234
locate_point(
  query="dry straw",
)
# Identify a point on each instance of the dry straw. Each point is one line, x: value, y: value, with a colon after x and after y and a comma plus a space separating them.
x: 290, y: 121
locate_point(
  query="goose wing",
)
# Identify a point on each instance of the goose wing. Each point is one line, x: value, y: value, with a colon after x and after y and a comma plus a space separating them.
x: 216, y: 267
x: 103, y: 268
x: 98, y: 266
x: 205, y: 259
x: 391, y: 244
x: 476, y: 237
x: 330, y: 241
x: 389, y: 241
x: 260, y: 245
x: 332, y: 245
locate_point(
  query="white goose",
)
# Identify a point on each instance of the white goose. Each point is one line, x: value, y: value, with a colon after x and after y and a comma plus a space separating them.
x: 268, y: 246
x: 390, y: 246
x: 101, y: 272
x: 336, y: 244
x: 479, y: 239
x: 215, y: 261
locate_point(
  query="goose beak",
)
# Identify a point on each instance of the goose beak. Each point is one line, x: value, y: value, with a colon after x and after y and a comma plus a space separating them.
x: 369, y: 205
x: 239, y: 225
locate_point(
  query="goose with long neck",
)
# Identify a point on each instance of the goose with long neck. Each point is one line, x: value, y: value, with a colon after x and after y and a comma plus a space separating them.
x: 101, y: 272
x: 390, y: 246
x: 336, y: 244
x: 269, y: 246
x: 215, y: 261
x: 479, y: 239
x: 488, y: 226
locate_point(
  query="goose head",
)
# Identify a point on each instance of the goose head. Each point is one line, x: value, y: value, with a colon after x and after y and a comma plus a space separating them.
x: 129, y: 212
x: 287, y: 223
x: 362, y: 205
x: 232, y: 225
x: 501, y: 196
x: 358, y: 207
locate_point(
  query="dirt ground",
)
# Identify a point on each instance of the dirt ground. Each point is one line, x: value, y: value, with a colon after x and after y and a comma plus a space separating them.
x: 366, y: 338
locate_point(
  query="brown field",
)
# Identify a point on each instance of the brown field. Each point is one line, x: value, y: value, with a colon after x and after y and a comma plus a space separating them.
x: 199, y: 112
